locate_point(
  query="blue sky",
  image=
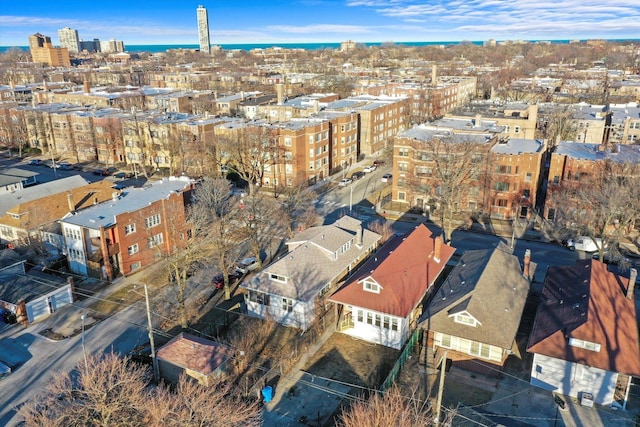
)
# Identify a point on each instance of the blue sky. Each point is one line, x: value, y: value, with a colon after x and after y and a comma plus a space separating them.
x: 300, y: 21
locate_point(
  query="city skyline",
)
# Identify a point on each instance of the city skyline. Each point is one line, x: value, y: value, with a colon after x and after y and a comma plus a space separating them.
x: 310, y: 21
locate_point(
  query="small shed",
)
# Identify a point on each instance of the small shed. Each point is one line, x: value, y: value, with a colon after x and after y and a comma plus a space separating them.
x: 202, y: 359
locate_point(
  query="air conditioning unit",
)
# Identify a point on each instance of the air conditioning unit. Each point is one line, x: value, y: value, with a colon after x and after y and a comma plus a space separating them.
x: 587, y: 400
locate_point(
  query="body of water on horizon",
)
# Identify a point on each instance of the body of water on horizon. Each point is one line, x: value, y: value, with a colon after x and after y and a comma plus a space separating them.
x: 151, y: 48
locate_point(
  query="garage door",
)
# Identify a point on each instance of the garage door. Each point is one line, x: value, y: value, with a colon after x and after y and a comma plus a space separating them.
x: 62, y: 297
x: 37, y: 308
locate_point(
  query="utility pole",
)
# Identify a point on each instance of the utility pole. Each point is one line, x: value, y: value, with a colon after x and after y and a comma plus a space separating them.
x: 156, y: 374
x: 443, y: 364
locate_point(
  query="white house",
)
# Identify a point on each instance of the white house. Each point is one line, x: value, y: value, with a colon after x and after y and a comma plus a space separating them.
x: 585, y: 334
x: 317, y: 259
x: 382, y: 301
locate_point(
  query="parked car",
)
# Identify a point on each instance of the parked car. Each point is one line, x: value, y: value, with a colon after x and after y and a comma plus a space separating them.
x: 344, y: 182
x: 218, y: 279
x: 378, y: 163
x: 386, y: 177
x: 123, y: 175
x: 247, y: 265
x: 240, y: 192
x: 101, y: 172
x: 585, y: 244
x: 357, y: 175
x: 369, y: 168
x: 65, y: 166
x: 36, y: 162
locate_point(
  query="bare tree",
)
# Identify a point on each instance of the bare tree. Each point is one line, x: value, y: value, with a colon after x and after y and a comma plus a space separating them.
x: 107, y: 392
x: 297, y: 208
x: 558, y: 125
x: 604, y: 204
x: 214, y: 215
x: 388, y: 409
x: 384, y: 229
x: 111, y: 391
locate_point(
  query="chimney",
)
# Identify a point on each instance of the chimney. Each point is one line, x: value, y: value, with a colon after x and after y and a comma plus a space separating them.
x: 633, y: 275
x: 316, y: 105
x: 527, y: 264
x: 478, y: 121
x: 437, y: 249
x: 241, y: 95
x: 434, y: 76
x: 279, y: 93
x: 114, y: 196
x: 72, y: 206
x: 359, y: 233
x: 86, y: 85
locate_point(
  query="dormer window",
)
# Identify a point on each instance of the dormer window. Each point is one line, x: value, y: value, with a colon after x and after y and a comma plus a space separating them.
x: 465, y: 319
x: 587, y: 345
x: 371, y: 286
x: 278, y: 278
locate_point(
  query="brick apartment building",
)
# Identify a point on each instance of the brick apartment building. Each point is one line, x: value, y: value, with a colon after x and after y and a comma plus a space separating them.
x: 129, y: 232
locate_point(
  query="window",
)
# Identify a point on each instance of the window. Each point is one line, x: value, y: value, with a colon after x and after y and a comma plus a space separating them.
x: 404, y: 152
x: 278, y: 278
x: 445, y: 340
x: 135, y: 266
x: 501, y: 186
x: 465, y: 319
x: 385, y: 322
x: 403, y: 166
x: 504, y: 169
x: 424, y: 171
x: 502, y: 203
x: 133, y: 249
x: 528, y: 177
x: 259, y: 297
x: 516, y: 129
x: 378, y: 320
x: 129, y: 228
x: 360, y: 316
x: 287, y: 305
x: 152, y: 221
x: 587, y: 345
x: 370, y: 318
x: 402, y: 195
x: 155, y: 240
x: 394, y: 324
x: 371, y: 286
x: 287, y: 141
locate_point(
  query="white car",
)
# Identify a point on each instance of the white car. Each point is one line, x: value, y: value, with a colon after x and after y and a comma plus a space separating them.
x: 386, y: 177
x: 585, y: 244
x: 369, y: 168
x: 247, y: 265
x: 344, y: 182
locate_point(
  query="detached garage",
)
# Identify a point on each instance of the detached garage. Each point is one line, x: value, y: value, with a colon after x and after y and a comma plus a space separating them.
x: 33, y: 295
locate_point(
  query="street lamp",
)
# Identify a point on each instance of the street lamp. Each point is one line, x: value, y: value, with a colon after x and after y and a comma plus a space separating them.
x: 84, y: 350
x: 351, y: 195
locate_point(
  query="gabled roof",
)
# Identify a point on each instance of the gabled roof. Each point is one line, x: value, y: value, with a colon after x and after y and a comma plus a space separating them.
x: 9, y: 200
x: 15, y: 175
x: 587, y: 302
x: 404, y: 267
x: 194, y: 353
x: 308, y: 265
x: 489, y: 285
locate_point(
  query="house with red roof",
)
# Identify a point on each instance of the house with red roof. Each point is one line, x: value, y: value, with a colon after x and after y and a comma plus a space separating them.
x: 382, y: 301
x: 585, y: 334
x: 476, y: 313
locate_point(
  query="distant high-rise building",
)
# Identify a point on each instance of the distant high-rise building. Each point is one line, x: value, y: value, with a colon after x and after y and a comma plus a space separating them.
x: 42, y: 51
x: 69, y: 38
x: 203, y: 29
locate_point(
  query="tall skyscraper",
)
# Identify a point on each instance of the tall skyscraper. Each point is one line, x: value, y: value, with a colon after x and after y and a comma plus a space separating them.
x: 203, y: 29
x: 69, y: 39
x: 42, y: 51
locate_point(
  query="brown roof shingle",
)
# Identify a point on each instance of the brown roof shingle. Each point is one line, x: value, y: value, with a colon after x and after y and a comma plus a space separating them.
x: 587, y: 302
x: 195, y: 353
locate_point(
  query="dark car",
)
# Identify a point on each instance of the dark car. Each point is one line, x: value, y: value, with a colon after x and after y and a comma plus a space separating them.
x: 123, y: 175
x: 357, y: 175
x: 218, y: 279
x: 378, y: 163
x: 36, y: 162
x: 102, y: 172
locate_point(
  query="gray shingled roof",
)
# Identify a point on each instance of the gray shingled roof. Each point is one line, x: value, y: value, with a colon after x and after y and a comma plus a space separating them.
x: 489, y: 285
x: 310, y: 266
x: 14, y: 175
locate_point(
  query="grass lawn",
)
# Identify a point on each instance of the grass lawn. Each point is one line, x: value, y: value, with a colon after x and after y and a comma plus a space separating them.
x: 119, y: 299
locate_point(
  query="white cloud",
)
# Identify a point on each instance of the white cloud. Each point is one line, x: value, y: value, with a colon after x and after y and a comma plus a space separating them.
x: 320, y: 28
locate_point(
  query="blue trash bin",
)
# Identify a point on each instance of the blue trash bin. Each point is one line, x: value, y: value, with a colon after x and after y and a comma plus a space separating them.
x: 267, y: 394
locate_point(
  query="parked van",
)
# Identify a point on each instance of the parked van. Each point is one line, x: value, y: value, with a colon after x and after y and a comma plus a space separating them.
x: 585, y: 243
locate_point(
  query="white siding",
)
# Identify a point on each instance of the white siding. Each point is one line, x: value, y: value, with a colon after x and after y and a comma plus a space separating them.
x: 301, y: 315
x: 40, y: 307
x: 572, y: 379
x: 379, y: 334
